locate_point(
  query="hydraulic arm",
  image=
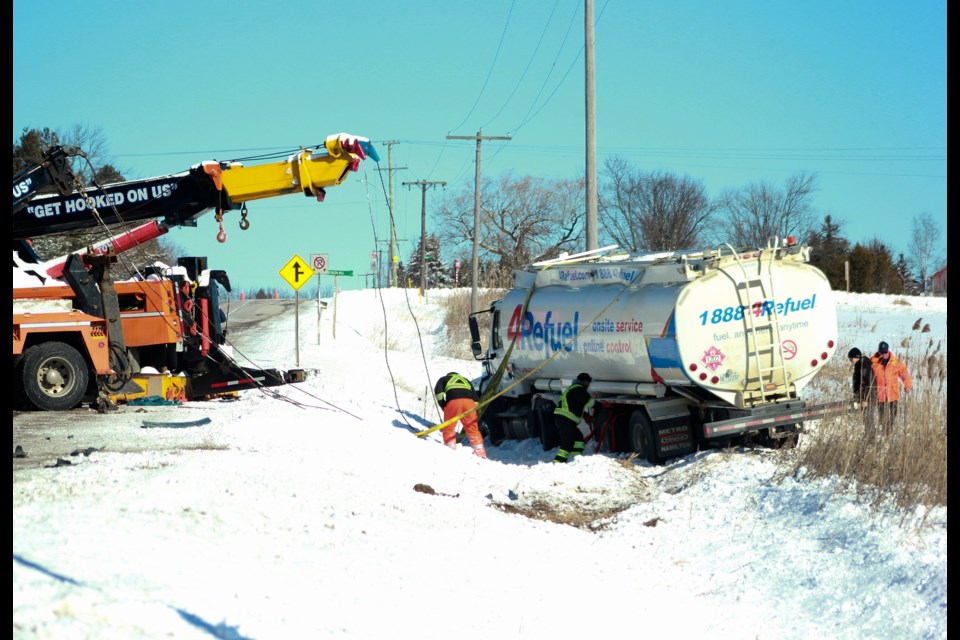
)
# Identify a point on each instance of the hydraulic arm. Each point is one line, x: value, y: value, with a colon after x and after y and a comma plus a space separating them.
x: 52, y: 170
x: 179, y: 199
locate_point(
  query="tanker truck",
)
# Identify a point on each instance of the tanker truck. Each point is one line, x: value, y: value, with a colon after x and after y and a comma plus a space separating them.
x: 687, y: 349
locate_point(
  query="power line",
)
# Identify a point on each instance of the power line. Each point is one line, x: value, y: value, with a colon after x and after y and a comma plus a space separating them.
x: 527, y: 68
x: 492, y: 65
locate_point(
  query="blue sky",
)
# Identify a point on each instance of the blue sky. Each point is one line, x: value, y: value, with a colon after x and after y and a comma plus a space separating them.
x: 729, y: 93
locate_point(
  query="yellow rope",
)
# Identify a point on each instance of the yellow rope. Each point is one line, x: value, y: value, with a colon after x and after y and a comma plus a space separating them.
x: 484, y: 403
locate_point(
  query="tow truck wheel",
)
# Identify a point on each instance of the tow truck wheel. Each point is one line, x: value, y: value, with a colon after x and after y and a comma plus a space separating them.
x: 54, y: 376
x: 640, y: 437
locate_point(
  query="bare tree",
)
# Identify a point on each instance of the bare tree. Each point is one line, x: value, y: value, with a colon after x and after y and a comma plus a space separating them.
x: 752, y: 215
x: 522, y: 220
x: 924, y: 255
x: 652, y: 210
x: 94, y: 168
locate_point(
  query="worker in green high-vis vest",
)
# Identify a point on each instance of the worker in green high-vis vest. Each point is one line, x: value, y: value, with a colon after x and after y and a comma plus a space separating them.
x: 575, y: 402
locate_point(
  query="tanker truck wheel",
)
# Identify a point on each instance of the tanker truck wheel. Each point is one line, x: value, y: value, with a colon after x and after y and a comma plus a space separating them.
x: 610, y: 426
x: 543, y: 414
x: 54, y: 376
x: 494, y: 428
x: 640, y: 437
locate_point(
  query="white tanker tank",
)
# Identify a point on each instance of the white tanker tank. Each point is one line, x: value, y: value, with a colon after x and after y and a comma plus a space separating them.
x: 685, y: 348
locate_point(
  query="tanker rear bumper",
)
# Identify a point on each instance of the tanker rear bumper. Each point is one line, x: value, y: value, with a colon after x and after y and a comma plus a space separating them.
x: 771, y: 416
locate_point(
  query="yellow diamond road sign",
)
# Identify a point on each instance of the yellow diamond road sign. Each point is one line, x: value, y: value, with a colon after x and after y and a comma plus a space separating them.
x: 296, y: 272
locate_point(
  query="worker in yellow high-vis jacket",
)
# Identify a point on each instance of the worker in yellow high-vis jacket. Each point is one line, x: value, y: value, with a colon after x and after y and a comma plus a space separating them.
x: 575, y: 402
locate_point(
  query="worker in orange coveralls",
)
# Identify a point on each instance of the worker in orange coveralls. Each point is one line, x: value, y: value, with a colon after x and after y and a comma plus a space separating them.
x: 889, y: 373
x: 456, y: 395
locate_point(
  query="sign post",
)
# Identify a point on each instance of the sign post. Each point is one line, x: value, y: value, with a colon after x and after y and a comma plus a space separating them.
x: 296, y: 272
x: 335, y: 273
x: 319, y: 262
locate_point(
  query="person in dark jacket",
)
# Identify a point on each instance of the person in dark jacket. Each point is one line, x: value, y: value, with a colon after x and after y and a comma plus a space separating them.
x: 575, y: 402
x: 864, y: 386
x: 457, y: 397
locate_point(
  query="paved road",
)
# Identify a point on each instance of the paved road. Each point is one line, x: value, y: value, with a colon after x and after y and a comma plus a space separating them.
x: 243, y: 315
x: 48, y: 436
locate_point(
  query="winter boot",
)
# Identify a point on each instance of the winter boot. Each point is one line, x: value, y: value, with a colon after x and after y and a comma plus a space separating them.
x: 578, y: 448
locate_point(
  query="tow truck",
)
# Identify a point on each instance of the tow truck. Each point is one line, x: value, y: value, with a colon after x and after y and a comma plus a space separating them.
x: 79, y: 335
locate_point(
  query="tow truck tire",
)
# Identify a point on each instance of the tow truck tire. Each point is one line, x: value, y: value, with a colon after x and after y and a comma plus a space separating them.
x: 54, y: 376
x: 640, y: 437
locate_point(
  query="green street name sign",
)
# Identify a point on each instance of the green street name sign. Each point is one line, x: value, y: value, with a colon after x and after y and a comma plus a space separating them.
x: 337, y: 272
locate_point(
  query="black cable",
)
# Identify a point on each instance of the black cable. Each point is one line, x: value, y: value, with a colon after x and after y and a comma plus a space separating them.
x: 492, y: 65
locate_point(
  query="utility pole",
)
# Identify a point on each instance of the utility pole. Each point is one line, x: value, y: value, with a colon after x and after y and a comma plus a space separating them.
x: 423, y: 184
x: 476, y: 211
x: 393, y: 237
x: 380, y: 262
x: 591, y: 129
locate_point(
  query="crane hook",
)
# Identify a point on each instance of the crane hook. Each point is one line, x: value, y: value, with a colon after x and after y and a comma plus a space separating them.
x: 222, y: 236
x: 244, y: 223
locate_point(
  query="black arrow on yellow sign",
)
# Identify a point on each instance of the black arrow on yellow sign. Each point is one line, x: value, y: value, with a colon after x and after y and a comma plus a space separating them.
x: 296, y: 272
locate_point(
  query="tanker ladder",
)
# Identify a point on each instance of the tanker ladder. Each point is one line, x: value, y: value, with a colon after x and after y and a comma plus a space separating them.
x: 765, y: 357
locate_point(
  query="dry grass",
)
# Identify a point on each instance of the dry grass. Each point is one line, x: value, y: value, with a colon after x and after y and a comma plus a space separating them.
x: 457, y: 306
x: 595, y: 520
x: 907, y: 465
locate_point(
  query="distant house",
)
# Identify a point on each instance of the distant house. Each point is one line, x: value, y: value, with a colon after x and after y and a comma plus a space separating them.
x: 938, y: 283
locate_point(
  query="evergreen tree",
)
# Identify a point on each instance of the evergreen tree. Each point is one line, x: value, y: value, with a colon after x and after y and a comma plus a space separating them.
x: 439, y: 275
x: 829, y: 252
x: 872, y: 269
x: 911, y: 285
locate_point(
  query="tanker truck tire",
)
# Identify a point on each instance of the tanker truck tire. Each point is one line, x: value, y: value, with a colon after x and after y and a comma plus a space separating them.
x: 54, y: 376
x: 640, y: 437
x: 494, y: 426
x: 610, y: 427
x: 491, y: 418
x: 543, y: 414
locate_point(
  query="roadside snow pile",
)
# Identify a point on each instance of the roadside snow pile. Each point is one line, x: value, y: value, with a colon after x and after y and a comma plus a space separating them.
x: 580, y: 493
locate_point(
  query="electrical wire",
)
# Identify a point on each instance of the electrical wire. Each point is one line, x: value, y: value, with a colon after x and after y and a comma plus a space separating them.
x: 528, y: 117
x: 552, y: 66
x: 492, y: 65
x: 527, y: 68
x: 383, y: 308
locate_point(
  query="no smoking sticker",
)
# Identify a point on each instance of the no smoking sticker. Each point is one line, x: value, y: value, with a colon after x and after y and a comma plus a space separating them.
x: 789, y: 349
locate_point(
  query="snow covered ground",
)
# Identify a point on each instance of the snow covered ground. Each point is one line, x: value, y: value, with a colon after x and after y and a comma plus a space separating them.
x: 318, y: 513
